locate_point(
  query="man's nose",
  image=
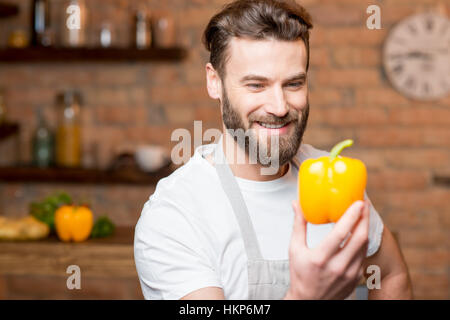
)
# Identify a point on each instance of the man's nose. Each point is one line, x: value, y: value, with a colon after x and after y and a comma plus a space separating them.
x: 277, y: 105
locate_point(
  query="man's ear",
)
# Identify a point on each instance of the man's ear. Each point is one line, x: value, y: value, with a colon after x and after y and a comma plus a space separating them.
x: 213, y: 82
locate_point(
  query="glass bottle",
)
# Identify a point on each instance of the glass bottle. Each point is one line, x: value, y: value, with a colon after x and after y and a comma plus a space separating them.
x: 68, y: 134
x: 105, y: 35
x: 43, y: 143
x: 40, y: 22
x: 143, y: 34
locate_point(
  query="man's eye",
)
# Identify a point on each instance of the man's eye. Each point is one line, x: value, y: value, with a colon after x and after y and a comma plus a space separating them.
x: 295, y: 84
x: 255, y: 85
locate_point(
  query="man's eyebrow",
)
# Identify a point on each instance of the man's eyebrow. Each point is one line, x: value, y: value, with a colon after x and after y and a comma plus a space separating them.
x: 255, y: 77
x: 299, y: 76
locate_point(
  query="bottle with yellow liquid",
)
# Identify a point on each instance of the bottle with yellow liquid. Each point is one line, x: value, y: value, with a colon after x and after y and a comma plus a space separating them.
x: 68, y: 133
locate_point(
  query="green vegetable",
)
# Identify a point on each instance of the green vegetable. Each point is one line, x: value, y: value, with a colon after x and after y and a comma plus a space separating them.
x: 45, y: 209
x: 103, y: 227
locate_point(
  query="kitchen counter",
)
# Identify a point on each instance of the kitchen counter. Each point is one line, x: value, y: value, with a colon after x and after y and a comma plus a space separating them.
x: 106, y: 257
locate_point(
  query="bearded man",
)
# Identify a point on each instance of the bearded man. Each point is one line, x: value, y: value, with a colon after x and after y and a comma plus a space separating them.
x: 227, y: 224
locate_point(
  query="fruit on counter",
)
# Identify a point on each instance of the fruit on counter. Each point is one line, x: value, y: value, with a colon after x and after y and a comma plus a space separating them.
x: 329, y: 185
x: 73, y: 223
x: 26, y: 228
x: 103, y: 227
x: 45, y: 209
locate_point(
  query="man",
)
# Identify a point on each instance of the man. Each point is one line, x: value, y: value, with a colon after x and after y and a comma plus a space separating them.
x: 219, y: 228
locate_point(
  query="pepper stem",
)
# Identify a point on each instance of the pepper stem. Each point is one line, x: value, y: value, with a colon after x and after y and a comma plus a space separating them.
x: 339, y: 147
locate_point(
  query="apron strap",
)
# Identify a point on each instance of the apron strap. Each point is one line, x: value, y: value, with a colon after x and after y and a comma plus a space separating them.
x: 240, y: 210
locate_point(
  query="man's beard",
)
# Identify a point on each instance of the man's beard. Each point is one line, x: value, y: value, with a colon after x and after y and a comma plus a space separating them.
x: 288, y: 145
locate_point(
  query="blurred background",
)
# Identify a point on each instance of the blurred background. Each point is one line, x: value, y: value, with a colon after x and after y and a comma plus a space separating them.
x: 86, y: 116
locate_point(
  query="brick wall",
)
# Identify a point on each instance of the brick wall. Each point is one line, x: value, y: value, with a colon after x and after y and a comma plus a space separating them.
x: 403, y: 142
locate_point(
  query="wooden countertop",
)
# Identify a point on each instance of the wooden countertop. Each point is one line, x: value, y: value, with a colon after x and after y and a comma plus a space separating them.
x: 105, y: 257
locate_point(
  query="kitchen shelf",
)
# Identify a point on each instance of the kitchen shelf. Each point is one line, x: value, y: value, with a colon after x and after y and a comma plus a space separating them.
x: 8, y: 129
x: 8, y: 10
x: 104, y: 257
x: 442, y: 180
x: 82, y: 176
x: 45, y: 54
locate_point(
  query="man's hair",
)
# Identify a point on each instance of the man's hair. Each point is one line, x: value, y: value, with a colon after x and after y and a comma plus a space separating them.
x: 257, y: 20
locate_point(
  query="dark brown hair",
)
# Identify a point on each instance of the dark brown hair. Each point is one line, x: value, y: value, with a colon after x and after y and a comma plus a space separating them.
x: 255, y: 19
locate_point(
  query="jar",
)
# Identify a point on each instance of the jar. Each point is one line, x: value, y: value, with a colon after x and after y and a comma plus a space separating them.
x: 68, y: 133
x: 163, y: 29
x: 18, y: 39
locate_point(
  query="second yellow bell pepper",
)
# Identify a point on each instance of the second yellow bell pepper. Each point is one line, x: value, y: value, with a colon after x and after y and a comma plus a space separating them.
x: 329, y: 185
x: 73, y: 223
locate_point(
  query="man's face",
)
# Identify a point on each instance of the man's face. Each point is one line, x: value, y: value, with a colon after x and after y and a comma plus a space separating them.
x: 265, y: 89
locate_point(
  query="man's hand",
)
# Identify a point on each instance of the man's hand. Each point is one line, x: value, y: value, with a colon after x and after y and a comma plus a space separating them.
x: 332, y: 269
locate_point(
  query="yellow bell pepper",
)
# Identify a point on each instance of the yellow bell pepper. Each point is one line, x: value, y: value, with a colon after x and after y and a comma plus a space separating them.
x: 73, y: 223
x: 329, y: 185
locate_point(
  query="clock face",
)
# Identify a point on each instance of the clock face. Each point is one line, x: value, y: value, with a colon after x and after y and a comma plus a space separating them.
x: 416, y: 56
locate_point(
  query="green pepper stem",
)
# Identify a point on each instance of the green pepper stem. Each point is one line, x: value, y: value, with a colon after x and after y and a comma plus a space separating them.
x: 339, y: 147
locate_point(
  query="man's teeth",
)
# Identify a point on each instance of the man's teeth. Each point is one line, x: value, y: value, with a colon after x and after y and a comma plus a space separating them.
x: 271, y: 126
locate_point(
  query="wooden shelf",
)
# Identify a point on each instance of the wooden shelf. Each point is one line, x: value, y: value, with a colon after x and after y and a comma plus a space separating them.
x: 106, y: 257
x: 82, y: 176
x: 43, y: 54
x: 7, y: 129
x: 442, y: 180
x: 8, y: 10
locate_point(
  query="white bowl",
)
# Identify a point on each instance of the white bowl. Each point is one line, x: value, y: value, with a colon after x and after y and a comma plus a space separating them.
x: 150, y: 157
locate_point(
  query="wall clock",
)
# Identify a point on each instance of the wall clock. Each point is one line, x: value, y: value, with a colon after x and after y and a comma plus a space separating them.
x: 416, y: 56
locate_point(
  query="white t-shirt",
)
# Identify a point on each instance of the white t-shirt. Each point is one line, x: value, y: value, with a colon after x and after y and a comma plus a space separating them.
x: 188, y: 238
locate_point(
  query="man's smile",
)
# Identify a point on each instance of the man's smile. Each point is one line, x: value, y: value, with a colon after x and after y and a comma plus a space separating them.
x: 272, y: 128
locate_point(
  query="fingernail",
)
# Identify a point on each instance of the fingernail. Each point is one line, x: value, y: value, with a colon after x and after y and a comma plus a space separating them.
x: 363, y: 206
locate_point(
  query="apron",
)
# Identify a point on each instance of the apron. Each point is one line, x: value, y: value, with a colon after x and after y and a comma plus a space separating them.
x: 267, y: 279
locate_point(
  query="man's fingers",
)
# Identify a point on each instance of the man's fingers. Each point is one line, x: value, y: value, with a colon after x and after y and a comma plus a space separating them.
x: 332, y: 242
x: 356, y: 245
x: 299, y: 228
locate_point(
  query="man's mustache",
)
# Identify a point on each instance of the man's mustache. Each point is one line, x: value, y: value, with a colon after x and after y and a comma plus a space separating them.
x: 275, y: 120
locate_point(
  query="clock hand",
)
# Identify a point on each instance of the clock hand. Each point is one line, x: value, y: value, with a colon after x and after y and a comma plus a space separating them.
x: 413, y: 55
x: 418, y: 54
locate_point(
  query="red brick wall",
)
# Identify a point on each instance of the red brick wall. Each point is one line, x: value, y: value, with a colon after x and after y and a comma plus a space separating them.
x: 403, y: 142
